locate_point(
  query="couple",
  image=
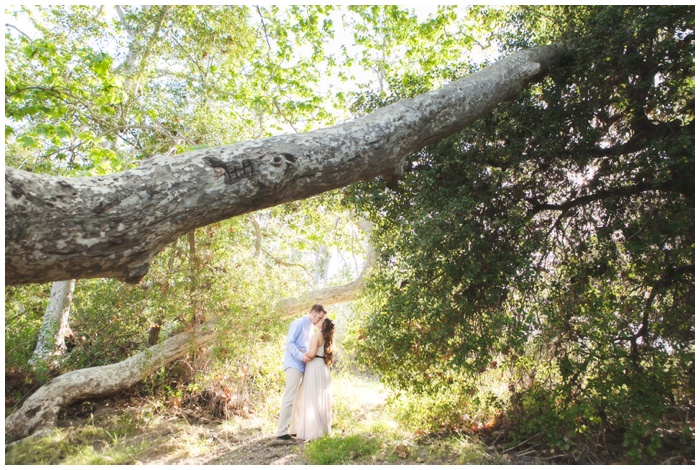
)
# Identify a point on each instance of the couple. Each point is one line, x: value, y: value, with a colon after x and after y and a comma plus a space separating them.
x: 307, y: 400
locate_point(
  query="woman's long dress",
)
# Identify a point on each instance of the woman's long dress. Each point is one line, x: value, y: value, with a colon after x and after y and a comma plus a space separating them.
x: 311, y: 417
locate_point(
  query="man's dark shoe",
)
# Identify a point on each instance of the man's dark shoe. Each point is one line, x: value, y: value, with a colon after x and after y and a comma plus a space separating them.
x: 284, y: 440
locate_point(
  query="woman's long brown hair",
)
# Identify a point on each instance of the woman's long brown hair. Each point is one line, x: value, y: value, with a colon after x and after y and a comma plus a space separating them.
x: 328, y: 332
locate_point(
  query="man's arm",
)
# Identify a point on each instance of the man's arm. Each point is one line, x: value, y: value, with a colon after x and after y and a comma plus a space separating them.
x: 313, y: 346
x: 294, y: 332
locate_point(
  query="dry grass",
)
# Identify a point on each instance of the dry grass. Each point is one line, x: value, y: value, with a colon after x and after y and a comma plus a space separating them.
x: 150, y: 433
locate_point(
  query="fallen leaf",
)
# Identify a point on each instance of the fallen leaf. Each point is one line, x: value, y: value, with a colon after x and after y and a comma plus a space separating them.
x: 401, y: 450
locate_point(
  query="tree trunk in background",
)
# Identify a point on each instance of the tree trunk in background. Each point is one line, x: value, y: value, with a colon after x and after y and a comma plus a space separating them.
x: 112, y: 226
x: 322, y: 261
x: 55, y: 328
x: 40, y: 411
x: 332, y: 295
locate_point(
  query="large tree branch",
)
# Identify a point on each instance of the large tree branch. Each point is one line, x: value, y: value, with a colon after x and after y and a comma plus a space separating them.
x: 112, y: 226
x: 326, y: 296
x: 624, y: 191
x: 40, y: 410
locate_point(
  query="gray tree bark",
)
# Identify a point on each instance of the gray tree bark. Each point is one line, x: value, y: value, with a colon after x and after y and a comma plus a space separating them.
x: 112, y: 226
x: 54, y: 329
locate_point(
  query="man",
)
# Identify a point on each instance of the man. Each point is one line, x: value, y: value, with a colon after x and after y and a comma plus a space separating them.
x: 300, y: 332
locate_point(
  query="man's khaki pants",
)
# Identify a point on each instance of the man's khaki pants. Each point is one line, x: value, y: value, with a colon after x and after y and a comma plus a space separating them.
x: 294, y: 378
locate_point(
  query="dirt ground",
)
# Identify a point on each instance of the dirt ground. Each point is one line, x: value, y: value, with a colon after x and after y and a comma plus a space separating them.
x: 188, y: 438
x: 249, y: 446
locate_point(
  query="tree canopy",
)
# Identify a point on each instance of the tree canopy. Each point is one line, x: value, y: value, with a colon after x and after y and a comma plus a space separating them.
x: 548, y: 248
x: 113, y: 226
x: 554, y: 239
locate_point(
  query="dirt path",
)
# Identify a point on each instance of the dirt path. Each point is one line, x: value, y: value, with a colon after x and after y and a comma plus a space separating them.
x: 254, y: 448
x: 247, y: 445
x: 250, y: 446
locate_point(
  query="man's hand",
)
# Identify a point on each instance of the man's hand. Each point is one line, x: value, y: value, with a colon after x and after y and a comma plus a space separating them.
x: 305, y: 359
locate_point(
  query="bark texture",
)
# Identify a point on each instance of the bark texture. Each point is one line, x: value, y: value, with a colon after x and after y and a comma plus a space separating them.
x: 55, y: 327
x: 112, y: 226
x: 40, y: 411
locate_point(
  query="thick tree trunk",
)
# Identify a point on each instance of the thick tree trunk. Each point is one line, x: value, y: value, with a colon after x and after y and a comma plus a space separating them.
x: 113, y: 226
x: 40, y: 411
x: 55, y: 328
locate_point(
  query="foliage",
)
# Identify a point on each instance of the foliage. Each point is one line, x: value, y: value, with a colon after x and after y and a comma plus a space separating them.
x: 428, y: 412
x: 339, y: 450
x: 390, y: 41
x: 91, y: 91
x: 24, y: 313
x: 557, y: 230
x: 96, y: 93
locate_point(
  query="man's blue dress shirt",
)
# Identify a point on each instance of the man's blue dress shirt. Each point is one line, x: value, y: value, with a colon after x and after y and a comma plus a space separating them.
x: 298, y: 338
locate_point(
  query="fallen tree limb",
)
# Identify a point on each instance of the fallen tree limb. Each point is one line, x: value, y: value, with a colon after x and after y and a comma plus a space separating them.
x: 326, y: 296
x: 40, y: 411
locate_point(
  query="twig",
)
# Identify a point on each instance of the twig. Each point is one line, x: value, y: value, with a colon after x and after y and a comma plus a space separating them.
x: 8, y: 25
x: 262, y: 22
x: 555, y: 456
x: 526, y: 440
x: 224, y: 443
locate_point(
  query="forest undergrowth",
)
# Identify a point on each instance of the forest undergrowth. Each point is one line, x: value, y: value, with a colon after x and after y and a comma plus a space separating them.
x: 136, y: 428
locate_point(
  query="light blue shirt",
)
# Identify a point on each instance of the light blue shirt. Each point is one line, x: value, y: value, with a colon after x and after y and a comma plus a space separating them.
x: 298, y: 338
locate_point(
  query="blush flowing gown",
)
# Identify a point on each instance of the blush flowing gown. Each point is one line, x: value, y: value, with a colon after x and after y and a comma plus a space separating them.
x: 311, y: 417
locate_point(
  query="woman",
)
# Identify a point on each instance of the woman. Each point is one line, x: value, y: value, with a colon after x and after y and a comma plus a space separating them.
x: 312, y: 406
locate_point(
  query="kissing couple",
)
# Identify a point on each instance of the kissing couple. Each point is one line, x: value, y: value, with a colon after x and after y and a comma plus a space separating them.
x: 307, y: 401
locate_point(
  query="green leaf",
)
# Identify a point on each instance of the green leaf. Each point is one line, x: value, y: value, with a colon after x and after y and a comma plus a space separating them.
x: 28, y: 141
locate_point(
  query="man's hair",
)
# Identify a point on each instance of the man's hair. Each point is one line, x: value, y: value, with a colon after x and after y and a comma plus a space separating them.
x: 318, y: 308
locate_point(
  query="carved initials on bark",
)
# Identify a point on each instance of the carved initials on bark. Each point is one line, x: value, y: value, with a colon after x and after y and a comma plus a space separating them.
x: 232, y: 171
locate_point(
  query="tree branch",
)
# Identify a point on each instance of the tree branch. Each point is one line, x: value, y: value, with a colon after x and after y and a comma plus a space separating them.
x: 336, y: 294
x: 112, y: 226
x: 597, y: 196
x: 258, y: 235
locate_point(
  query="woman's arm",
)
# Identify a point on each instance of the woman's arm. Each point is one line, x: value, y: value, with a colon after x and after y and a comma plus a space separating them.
x: 313, y: 345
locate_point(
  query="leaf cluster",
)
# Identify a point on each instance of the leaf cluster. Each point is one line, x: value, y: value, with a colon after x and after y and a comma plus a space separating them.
x: 560, y: 226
